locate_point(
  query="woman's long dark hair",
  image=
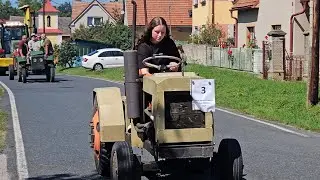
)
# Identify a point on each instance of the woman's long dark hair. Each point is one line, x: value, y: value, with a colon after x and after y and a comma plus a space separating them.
x: 145, y: 38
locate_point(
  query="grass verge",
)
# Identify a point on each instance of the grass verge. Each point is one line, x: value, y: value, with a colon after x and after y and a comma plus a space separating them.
x: 115, y: 74
x: 283, y: 102
x: 3, y: 125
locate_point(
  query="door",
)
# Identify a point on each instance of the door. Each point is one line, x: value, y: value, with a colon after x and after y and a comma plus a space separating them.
x: 118, y: 58
x: 106, y: 58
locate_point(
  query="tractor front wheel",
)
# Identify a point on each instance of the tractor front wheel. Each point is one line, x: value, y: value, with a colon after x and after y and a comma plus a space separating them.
x: 11, y: 72
x: 230, y: 160
x: 123, y: 162
x: 24, y: 74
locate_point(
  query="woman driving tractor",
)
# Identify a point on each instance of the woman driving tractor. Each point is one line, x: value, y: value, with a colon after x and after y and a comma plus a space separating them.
x: 156, y: 40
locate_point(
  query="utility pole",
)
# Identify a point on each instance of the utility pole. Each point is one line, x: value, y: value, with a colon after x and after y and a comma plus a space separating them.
x: 145, y: 13
x: 314, y: 75
x: 43, y: 16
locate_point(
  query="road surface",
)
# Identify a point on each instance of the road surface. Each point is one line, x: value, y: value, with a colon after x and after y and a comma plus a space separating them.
x: 54, y: 120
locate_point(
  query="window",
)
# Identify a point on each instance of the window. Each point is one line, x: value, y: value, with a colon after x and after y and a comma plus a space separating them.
x: 117, y: 53
x: 92, y: 53
x: 276, y: 27
x: 195, y: 3
x: 106, y: 54
x: 48, y: 21
x: 94, y: 21
x: 250, y: 35
x: 196, y: 30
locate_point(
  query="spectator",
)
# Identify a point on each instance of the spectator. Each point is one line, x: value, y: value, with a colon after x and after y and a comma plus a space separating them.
x: 23, y: 48
x: 47, y: 46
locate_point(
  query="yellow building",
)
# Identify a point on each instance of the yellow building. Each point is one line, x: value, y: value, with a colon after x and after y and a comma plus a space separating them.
x: 51, y: 18
x: 202, y: 14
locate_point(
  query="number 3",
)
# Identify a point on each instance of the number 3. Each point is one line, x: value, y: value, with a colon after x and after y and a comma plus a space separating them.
x: 203, y: 90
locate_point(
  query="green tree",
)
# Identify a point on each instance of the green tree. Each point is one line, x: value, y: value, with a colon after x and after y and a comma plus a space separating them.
x: 117, y: 35
x: 65, y: 9
x: 210, y: 34
x: 35, y: 5
x: 6, y: 10
x: 66, y: 54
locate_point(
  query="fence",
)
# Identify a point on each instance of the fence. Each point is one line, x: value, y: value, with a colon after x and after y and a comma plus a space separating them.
x: 243, y: 59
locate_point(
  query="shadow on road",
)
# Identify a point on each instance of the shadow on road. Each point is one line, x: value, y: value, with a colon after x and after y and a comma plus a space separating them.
x: 67, y: 176
x: 43, y: 80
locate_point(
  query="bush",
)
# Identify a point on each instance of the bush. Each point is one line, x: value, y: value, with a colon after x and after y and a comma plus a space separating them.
x: 117, y: 34
x: 210, y: 34
x: 66, y: 54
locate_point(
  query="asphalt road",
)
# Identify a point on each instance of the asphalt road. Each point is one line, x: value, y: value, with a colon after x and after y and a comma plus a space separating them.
x: 54, y: 124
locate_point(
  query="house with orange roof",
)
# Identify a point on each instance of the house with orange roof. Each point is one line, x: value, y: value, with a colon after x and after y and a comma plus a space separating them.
x: 50, y: 27
x: 256, y: 18
x: 177, y: 13
x: 93, y: 13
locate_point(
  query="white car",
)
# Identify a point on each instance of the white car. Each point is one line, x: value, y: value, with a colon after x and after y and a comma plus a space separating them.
x: 103, y: 58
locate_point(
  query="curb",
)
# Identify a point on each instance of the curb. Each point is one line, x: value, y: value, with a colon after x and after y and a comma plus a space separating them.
x: 4, y: 175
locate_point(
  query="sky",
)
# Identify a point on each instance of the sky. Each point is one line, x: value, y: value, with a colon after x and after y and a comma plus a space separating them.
x: 54, y: 2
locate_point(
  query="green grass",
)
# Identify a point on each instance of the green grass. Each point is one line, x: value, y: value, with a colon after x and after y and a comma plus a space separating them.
x: 283, y: 102
x: 3, y: 125
x: 115, y: 74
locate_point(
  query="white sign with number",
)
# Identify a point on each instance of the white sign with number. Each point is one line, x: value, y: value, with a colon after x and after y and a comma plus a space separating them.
x: 203, y: 94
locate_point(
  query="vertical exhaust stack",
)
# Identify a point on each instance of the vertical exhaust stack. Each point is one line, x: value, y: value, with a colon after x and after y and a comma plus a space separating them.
x: 132, y: 84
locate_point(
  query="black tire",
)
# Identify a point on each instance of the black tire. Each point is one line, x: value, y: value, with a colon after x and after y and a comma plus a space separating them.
x: 11, y: 72
x: 98, y: 67
x: 24, y: 75
x: 123, y: 165
x: 230, y: 160
x: 19, y: 74
x: 52, y: 74
x: 103, y: 163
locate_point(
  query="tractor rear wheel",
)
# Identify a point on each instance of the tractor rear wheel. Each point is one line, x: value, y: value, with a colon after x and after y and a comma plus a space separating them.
x: 101, y: 151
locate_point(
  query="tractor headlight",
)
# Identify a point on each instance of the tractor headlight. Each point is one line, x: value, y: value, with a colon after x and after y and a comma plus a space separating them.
x: 40, y: 59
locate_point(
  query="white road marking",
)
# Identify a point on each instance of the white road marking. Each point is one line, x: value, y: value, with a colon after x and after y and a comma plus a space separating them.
x: 229, y: 112
x: 22, y: 168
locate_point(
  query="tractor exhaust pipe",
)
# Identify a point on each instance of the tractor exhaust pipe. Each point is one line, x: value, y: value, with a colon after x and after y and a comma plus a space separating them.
x: 131, y: 82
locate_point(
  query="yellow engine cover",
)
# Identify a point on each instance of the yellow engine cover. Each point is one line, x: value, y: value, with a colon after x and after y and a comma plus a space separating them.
x: 5, y: 62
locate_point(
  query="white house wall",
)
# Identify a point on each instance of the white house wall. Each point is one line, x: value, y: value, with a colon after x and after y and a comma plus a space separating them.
x: 298, y: 37
x: 246, y: 18
x: 276, y: 12
x: 94, y: 11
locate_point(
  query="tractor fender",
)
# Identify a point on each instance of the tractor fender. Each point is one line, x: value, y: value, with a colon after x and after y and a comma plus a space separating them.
x: 111, y: 114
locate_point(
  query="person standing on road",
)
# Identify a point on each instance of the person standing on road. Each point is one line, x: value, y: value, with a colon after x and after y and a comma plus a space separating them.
x: 47, y: 46
x: 23, y: 48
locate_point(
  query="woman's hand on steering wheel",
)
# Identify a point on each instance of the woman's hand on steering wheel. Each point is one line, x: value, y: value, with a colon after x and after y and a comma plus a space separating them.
x: 174, y: 66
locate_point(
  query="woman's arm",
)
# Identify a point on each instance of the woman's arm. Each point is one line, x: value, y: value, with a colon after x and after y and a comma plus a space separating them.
x: 173, y: 51
x: 143, y: 52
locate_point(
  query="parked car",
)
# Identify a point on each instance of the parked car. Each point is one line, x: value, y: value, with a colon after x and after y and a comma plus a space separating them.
x: 103, y: 58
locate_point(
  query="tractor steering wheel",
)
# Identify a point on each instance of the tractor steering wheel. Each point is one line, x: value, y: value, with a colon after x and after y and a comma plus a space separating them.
x: 160, y: 67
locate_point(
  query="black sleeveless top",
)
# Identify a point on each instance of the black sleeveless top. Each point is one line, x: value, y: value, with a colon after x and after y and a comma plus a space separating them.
x: 148, y: 49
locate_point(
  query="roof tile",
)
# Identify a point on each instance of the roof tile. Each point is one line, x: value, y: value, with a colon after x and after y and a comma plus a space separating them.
x: 48, y: 7
x: 79, y: 6
x: 179, y: 11
x: 245, y: 3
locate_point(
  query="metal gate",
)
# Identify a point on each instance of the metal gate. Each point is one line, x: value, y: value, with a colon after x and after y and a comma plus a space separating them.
x: 294, y: 67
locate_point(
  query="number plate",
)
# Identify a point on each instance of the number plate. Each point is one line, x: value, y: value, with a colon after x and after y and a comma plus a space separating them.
x: 203, y: 94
